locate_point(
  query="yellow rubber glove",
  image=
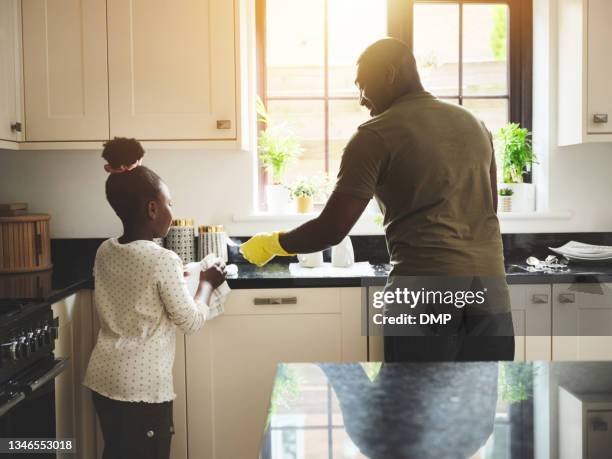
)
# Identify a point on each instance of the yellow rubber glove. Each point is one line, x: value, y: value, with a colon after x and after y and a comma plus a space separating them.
x: 262, y: 247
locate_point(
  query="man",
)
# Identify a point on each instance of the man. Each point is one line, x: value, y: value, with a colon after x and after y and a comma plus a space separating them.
x: 431, y: 167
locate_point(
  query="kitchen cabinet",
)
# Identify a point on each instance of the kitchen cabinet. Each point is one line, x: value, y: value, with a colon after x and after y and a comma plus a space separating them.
x: 531, y: 314
x: 172, y: 69
x: 150, y: 69
x: 11, y: 118
x: 585, y: 66
x: 231, y: 363
x: 65, y: 74
x: 582, y: 321
x: 584, y: 425
x: 75, y: 414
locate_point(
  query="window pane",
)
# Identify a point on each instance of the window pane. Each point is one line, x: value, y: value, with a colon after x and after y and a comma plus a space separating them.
x: 306, y: 119
x: 294, y: 48
x: 344, y: 118
x: 485, y: 50
x: 353, y: 25
x: 493, y: 112
x: 436, y: 46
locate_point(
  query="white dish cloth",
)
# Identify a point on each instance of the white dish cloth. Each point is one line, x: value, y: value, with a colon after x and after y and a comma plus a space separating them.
x: 219, y: 295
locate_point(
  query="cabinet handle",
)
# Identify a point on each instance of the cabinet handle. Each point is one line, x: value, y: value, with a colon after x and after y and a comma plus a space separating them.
x: 540, y: 298
x: 567, y: 298
x: 16, y: 127
x: 224, y: 124
x: 275, y: 300
x: 599, y: 425
x: 600, y: 118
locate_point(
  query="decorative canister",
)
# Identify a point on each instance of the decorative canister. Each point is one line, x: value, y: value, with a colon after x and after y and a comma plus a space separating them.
x: 212, y: 239
x: 181, y: 240
x: 505, y: 203
x: 25, y: 244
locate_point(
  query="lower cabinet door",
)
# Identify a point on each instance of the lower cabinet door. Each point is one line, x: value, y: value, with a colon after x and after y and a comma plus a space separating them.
x: 231, y: 363
x: 74, y: 412
x: 179, y: 414
x: 531, y: 315
x: 582, y: 321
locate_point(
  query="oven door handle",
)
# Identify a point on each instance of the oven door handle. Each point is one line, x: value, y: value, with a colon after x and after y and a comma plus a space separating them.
x: 59, y: 367
x: 18, y: 398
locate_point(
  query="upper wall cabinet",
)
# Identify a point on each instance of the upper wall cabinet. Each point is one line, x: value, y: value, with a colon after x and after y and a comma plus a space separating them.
x: 172, y: 69
x: 155, y: 70
x: 65, y: 74
x: 585, y: 71
x: 11, y: 121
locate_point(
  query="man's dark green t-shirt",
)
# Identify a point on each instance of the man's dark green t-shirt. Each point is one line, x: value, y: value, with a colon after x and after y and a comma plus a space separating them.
x: 427, y: 163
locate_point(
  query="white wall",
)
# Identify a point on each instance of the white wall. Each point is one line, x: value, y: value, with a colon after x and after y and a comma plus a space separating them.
x: 214, y: 186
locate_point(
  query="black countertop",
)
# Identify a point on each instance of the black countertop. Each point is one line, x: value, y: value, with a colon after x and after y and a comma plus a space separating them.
x: 64, y: 279
x: 278, y: 275
x: 429, y: 410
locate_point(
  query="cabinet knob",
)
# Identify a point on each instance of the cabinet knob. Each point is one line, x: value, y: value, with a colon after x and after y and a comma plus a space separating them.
x: 16, y: 127
x: 567, y: 298
x: 600, y: 118
x: 224, y: 124
x: 540, y: 298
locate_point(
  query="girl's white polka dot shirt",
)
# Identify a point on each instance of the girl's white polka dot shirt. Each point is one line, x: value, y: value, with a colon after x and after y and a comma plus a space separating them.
x: 140, y: 298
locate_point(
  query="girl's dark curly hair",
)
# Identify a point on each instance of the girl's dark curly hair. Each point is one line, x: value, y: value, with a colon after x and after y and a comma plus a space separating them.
x: 130, y: 191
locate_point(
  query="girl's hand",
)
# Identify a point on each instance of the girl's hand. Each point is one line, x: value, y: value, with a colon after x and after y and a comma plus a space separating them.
x: 215, y: 275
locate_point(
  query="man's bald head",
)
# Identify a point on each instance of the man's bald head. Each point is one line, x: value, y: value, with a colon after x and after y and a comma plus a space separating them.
x: 390, y: 52
x: 386, y: 70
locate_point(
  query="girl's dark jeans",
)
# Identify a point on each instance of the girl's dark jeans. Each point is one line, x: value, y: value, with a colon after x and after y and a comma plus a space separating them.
x: 134, y: 430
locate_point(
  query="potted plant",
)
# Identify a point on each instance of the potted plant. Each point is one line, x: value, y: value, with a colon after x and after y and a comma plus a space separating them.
x: 305, y: 190
x: 277, y: 148
x: 518, y: 158
x: 505, y: 202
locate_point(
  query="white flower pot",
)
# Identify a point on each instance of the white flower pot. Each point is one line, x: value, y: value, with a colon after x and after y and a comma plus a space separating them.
x: 523, y: 199
x: 277, y: 197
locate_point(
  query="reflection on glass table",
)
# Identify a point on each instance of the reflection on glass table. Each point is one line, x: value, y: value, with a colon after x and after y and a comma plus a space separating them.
x: 374, y: 410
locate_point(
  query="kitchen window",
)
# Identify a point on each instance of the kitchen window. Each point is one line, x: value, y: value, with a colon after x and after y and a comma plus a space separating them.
x: 472, y: 53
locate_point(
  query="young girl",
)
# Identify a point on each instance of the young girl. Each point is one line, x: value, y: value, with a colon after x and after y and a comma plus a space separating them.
x: 140, y: 297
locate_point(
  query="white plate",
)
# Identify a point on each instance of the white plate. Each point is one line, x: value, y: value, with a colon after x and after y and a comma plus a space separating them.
x: 576, y: 258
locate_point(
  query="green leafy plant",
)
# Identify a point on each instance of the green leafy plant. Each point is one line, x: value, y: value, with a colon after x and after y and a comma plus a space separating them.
x: 286, y: 389
x: 309, y: 187
x: 515, y: 381
x: 517, y: 150
x: 506, y: 192
x: 499, y: 34
x: 277, y: 146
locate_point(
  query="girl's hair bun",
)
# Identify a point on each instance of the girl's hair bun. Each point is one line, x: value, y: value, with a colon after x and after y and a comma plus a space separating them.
x: 122, y: 152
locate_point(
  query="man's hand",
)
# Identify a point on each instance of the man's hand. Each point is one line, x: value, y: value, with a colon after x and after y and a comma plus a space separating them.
x: 262, y: 247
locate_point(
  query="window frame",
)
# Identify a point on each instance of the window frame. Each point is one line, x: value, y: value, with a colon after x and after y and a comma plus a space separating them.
x: 400, y: 16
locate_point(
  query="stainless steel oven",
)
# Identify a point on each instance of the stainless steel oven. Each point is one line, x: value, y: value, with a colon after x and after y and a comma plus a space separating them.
x: 28, y: 370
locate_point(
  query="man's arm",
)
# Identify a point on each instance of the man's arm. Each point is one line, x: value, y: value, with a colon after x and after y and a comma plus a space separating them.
x: 493, y: 175
x: 333, y: 224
